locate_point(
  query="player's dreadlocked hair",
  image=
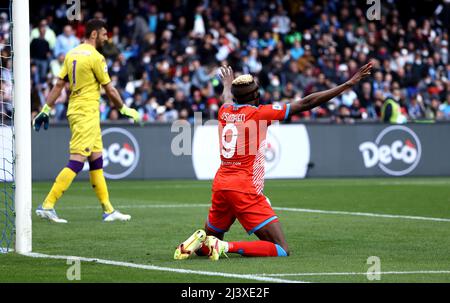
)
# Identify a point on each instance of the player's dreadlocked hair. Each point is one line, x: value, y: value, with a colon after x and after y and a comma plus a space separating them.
x: 245, y: 89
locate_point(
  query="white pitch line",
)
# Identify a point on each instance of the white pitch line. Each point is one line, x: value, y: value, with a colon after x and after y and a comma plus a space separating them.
x: 412, y: 182
x: 336, y: 212
x: 5, y: 250
x: 140, y: 206
x: 165, y: 269
x: 301, y: 210
x: 357, y: 273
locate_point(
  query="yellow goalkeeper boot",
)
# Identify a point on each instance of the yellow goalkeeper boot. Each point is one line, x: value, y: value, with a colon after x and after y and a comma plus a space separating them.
x: 217, y: 248
x: 188, y: 247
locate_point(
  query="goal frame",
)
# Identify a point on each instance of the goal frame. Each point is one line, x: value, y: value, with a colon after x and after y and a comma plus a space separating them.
x: 22, y: 124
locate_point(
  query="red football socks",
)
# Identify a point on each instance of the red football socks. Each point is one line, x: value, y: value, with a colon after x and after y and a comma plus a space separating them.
x: 250, y: 249
x: 253, y: 248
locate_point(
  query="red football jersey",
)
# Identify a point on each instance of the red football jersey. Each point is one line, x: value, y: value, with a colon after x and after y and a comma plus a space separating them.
x: 242, y: 137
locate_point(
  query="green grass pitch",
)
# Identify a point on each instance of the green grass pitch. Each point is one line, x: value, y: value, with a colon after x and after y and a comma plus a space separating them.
x: 164, y: 213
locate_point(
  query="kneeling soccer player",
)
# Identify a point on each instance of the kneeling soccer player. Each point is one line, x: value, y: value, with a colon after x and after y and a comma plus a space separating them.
x: 86, y: 70
x: 237, y: 191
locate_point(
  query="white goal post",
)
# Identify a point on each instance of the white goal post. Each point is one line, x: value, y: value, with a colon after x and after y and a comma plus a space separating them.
x: 22, y: 123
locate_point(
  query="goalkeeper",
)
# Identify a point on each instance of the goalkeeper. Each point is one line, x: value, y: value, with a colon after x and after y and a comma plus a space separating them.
x: 86, y: 71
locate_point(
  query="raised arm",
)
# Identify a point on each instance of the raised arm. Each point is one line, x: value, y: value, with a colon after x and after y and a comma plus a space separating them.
x: 316, y: 99
x: 227, y: 77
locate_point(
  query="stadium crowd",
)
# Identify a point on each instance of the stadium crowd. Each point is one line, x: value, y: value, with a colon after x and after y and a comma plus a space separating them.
x: 163, y: 55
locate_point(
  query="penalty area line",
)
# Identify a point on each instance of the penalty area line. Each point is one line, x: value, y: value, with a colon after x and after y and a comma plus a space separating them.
x: 348, y: 213
x: 140, y: 206
x: 417, y: 272
x: 164, y: 269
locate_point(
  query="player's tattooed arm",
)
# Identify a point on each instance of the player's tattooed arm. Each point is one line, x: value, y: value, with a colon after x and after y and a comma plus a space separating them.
x: 227, y: 77
x: 316, y: 99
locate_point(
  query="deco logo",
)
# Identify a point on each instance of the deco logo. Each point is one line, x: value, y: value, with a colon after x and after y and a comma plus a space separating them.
x: 120, y: 153
x: 396, y: 151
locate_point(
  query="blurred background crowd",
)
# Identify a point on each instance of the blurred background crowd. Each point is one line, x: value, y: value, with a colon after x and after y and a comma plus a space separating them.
x: 163, y: 56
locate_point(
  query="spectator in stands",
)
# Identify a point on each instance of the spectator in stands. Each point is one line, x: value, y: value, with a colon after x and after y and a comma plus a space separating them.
x: 416, y: 108
x: 199, y: 77
x: 296, y: 51
x: 391, y: 111
x: 281, y: 23
x: 293, y: 49
x: 65, y: 41
x: 4, y: 25
x: 40, y: 54
x: 56, y: 65
x: 445, y: 108
x: 6, y: 98
x: 367, y: 100
x: 348, y: 98
x: 49, y: 34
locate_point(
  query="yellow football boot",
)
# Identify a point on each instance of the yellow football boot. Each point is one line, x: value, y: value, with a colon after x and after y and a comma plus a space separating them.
x: 188, y: 247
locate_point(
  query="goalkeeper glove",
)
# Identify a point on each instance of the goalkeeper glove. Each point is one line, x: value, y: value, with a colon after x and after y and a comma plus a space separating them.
x: 42, y: 118
x: 130, y: 112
